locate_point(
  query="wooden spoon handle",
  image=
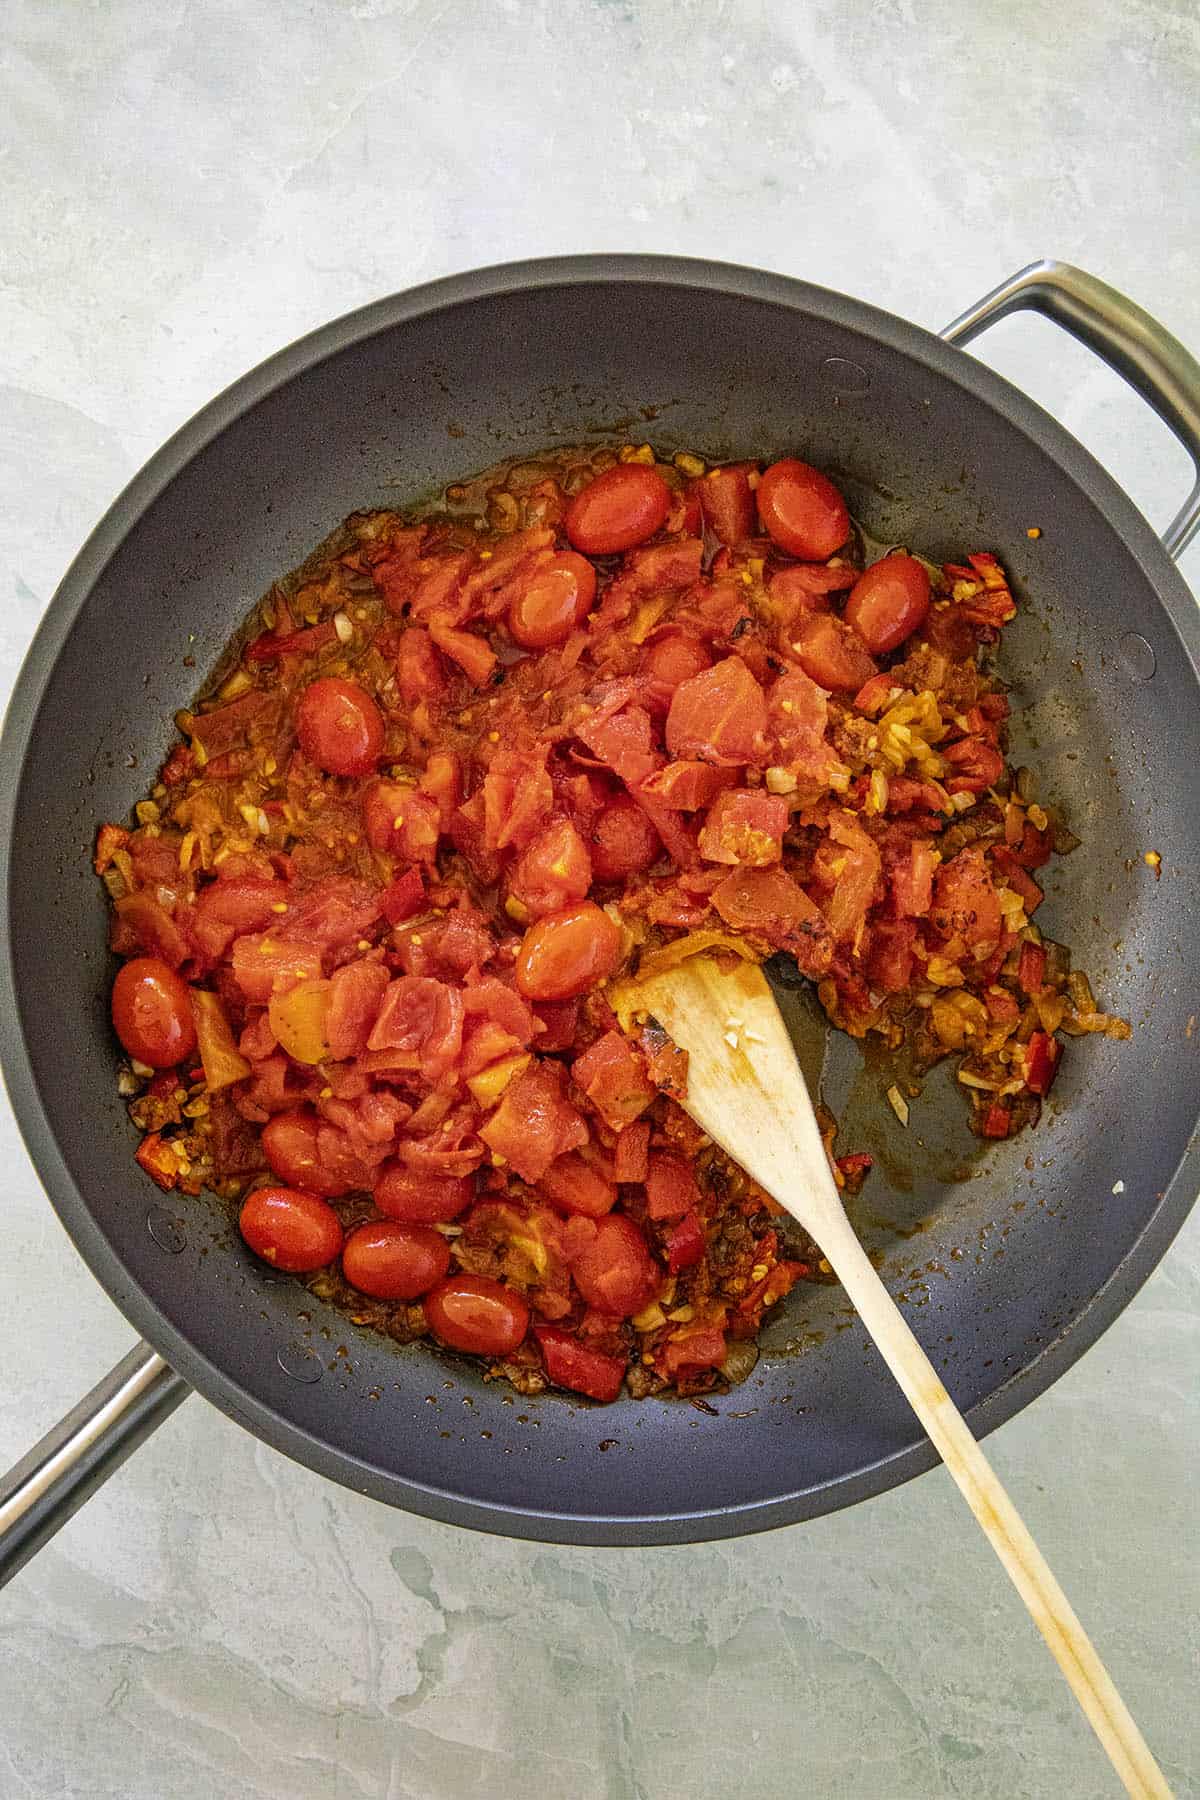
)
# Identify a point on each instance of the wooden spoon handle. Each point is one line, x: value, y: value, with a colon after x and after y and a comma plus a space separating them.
x: 1027, y: 1568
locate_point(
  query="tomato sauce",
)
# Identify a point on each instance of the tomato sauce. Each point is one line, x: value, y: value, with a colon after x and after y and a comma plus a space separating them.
x: 460, y: 772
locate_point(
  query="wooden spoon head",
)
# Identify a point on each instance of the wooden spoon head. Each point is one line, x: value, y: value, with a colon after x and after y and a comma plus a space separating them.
x: 744, y: 1086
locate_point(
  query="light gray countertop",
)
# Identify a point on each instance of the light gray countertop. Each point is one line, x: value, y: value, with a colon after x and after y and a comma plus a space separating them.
x: 184, y: 189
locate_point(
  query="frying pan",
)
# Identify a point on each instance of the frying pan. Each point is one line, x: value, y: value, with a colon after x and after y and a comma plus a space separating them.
x: 1013, y: 1259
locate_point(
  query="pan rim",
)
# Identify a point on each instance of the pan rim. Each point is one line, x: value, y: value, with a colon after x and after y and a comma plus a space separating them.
x: 259, y: 1416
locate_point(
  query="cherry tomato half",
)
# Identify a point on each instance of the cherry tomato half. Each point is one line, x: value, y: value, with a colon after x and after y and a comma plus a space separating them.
x: 615, y: 1271
x: 567, y: 953
x: 624, y: 842
x: 151, y: 1012
x: 473, y: 1312
x: 802, y: 510
x: 421, y: 1198
x: 394, y: 1262
x: 621, y: 508
x: 291, y: 1229
x: 556, y: 598
x: 289, y: 1141
x: 888, y: 602
x: 340, y: 727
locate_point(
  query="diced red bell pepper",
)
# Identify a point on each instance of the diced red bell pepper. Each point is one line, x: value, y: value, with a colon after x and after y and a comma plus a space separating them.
x: 1003, y: 1008
x: 997, y: 1120
x: 1015, y: 877
x: 159, y: 1160
x: 1041, y: 1062
x: 577, y: 1366
x: 1031, y: 969
x: 685, y: 1244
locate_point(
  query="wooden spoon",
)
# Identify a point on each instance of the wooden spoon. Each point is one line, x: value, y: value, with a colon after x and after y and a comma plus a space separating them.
x: 746, y: 1090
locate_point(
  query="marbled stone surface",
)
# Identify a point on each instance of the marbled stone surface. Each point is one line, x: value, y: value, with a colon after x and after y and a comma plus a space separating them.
x: 183, y: 189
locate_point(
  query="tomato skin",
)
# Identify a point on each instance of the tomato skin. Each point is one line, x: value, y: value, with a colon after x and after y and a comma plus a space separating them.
x: 475, y: 1313
x: 618, y: 510
x: 614, y: 1270
x: 340, y: 727
x: 624, y: 842
x: 556, y: 598
x: 802, y: 510
x: 567, y: 953
x: 832, y: 654
x: 888, y: 602
x: 289, y: 1141
x: 417, y: 1198
x: 394, y: 1262
x: 152, y: 1014
x: 292, y: 1230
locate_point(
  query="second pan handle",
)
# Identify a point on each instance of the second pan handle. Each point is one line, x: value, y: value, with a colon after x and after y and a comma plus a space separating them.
x: 1124, y: 336
x: 53, y: 1480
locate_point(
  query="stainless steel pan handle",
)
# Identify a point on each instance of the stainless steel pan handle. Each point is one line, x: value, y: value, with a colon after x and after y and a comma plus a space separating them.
x: 52, y: 1482
x: 1122, y: 335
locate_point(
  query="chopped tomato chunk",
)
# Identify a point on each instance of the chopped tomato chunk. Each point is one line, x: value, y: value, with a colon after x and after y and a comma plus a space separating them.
x: 745, y: 828
x: 719, y: 716
x: 612, y: 1073
x: 534, y: 1123
x: 575, y: 1365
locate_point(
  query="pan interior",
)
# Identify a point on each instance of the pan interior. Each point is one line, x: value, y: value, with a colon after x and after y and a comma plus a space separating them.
x: 997, y: 1254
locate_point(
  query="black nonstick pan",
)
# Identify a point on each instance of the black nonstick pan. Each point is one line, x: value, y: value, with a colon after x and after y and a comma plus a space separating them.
x: 1013, y: 1259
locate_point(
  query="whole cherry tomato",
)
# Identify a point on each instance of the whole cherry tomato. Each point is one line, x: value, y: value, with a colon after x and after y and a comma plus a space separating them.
x: 151, y: 1012
x: 291, y: 1229
x: 888, y: 602
x: 621, y: 508
x: 567, y: 953
x: 394, y: 1262
x: 615, y: 1271
x: 624, y: 842
x: 289, y: 1141
x: 420, y: 1198
x: 802, y: 510
x: 340, y: 727
x: 556, y: 598
x: 473, y: 1312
